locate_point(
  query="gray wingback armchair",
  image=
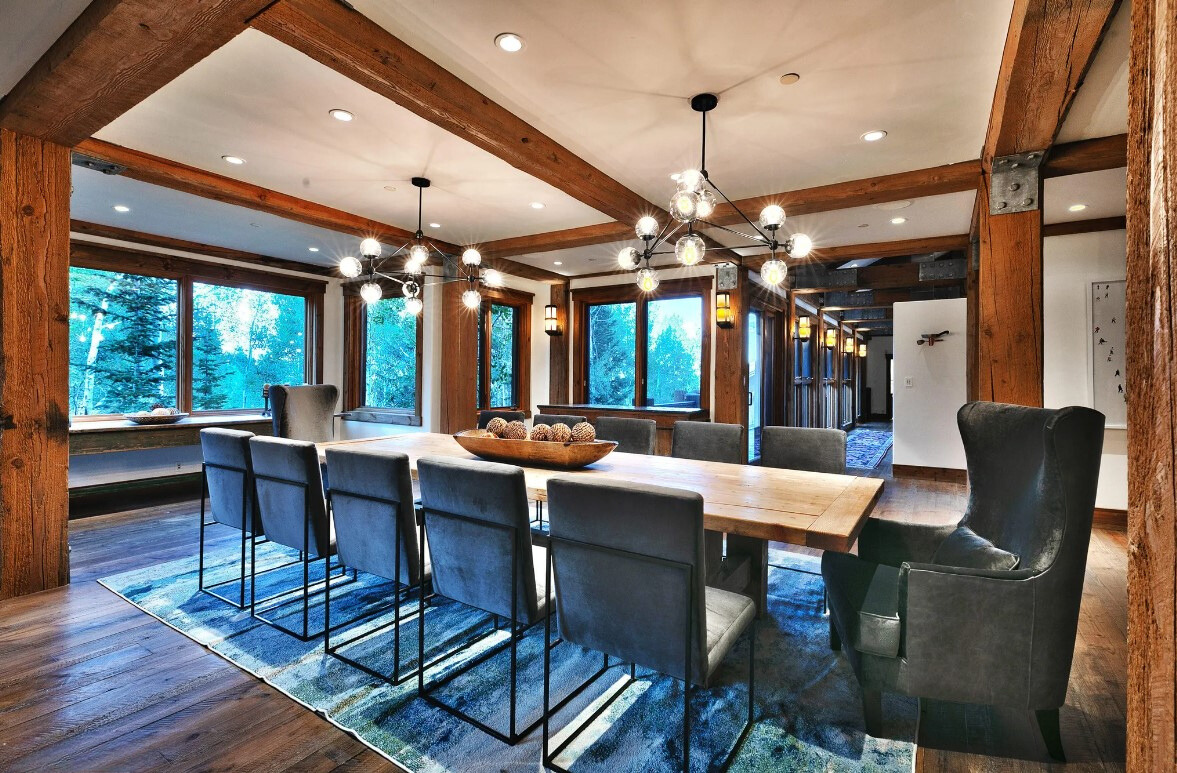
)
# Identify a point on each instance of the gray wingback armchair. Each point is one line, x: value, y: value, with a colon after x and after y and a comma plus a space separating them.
x: 984, y: 611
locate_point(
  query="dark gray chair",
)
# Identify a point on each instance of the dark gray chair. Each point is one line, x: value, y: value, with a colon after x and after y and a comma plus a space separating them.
x: 984, y: 611
x: 633, y: 436
x: 707, y: 441
x: 804, y: 448
x: 484, y: 417
x: 293, y: 513
x: 476, y: 517
x: 375, y: 520
x: 305, y: 412
x: 648, y: 538
x: 226, y: 481
x: 556, y: 418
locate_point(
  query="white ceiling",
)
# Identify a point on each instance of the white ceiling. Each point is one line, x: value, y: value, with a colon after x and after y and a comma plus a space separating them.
x: 29, y: 28
x: 1100, y: 108
x: 1105, y: 194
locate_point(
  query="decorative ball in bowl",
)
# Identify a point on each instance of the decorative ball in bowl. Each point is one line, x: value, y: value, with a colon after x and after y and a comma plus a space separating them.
x: 555, y: 446
x: 158, y: 414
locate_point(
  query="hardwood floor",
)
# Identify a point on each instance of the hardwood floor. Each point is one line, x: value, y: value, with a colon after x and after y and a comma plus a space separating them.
x: 90, y: 683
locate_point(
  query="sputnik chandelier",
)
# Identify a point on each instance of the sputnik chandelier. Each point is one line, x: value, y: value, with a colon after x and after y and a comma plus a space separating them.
x: 692, y: 204
x: 412, y: 275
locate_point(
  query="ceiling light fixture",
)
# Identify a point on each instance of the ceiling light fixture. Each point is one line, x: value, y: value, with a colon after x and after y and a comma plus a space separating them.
x: 874, y: 135
x: 789, y: 78
x: 435, y: 225
x: 693, y: 202
x: 509, y: 42
x: 313, y: 249
x: 898, y: 220
x: 339, y: 114
x: 537, y: 205
x: 557, y: 263
x: 235, y: 160
x: 121, y: 208
x: 1076, y: 207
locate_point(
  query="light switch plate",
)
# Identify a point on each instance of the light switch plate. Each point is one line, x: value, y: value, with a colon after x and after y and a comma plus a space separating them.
x: 908, y: 382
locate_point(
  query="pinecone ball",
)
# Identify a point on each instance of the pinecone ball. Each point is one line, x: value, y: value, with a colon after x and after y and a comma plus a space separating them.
x: 583, y: 432
x: 541, y: 432
x: 559, y: 433
x: 497, y: 426
x: 516, y: 430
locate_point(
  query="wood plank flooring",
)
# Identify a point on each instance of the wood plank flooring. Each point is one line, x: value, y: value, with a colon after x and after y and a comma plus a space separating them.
x: 87, y: 682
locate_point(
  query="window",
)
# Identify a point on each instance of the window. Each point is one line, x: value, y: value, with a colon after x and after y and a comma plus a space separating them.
x: 391, y: 356
x: 634, y: 350
x: 123, y: 342
x: 504, y: 349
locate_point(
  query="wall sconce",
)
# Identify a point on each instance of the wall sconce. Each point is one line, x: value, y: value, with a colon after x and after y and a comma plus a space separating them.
x: 551, y: 321
x: 804, y: 329
x: 848, y: 345
x: 831, y: 338
x: 862, y: 350
x: 724, y: 317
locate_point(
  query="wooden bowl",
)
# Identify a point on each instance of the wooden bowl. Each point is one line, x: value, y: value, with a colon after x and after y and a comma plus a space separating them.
x: 533, y: 453
x: 154, y: 418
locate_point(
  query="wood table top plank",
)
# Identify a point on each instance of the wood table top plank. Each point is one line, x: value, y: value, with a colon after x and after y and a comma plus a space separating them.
x: 803, y: 508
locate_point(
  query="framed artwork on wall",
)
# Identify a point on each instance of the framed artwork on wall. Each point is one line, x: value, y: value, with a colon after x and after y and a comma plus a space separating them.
x: 1106, y: 308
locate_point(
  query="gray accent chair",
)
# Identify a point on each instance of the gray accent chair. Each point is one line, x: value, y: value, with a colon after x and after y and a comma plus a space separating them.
x: 227, y: 483
x: 633, y: 436
x: 556, y: 418
x: 647, y: 537
x: 375, y: 520
x: 305, y: 412
x: 804, y: 448
x: 294, y: 514
x: 484, y: 417
x: 707, y: 441
x: 476, y: 517
x: 984, y: 611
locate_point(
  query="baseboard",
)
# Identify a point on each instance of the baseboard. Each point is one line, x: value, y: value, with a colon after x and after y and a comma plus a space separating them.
x: 105, y: 498
x: 1110, y: 519
x: 945, y: 474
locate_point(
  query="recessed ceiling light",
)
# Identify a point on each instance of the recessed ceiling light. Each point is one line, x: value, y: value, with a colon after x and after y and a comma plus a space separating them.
x: 255, y: 225
x: 435, y: 225
x: 898, y: 220
x: 234, y: 160
x: 509, y: 42
x: 121, y: 208
x: 558, y: 263
x: 789, y: 78
x: 339, y: 114
x: 390, y: 188
x: 313, y: 249
x: 891, y: 205
x: 874, y: 135
x: 864, y: 225
x: 1076, y: 207
x: 537, y: 205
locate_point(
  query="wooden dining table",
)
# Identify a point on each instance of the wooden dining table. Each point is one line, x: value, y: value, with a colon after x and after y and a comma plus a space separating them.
x: 752, y: 505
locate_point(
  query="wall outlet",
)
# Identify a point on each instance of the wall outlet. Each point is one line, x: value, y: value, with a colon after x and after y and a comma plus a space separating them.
x: 908, y: 382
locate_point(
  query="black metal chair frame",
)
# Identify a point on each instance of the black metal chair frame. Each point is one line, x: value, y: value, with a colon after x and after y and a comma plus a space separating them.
x: 517, y: 632
x: 549, y: 756
x: 306, y: 560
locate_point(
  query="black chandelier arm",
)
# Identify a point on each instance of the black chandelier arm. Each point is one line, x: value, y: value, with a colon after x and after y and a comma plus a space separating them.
x: 759, y: 238
x: 703, y: 151
x: 663, y: 237
x: 739, y: 211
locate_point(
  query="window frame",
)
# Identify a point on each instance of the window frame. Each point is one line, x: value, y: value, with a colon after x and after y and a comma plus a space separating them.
x: 355, y: 347
x: 669, y: 289
x: 522, y: 303
x: 186, y: 271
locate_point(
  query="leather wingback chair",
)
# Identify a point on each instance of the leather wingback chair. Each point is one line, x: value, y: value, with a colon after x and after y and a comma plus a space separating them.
x: 984, y: 611
x: 305, y: 412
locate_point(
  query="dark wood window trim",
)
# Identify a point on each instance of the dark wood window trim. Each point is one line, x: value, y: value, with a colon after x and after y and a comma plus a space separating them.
x: 355, y: 346
x: 522, y: 302
x: 671, y: 288
x: 186, y: 271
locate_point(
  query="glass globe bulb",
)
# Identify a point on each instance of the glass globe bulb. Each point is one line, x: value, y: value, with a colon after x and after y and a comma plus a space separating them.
x: 471, y: 299
x: 800, y: 246
x: 371, y: 292
x: 410, y: 289
x: 706, y: 204
x: 690, y: 180
x: 774, y: 271
x: 627, y: 258
x: 683, y: 205
x: 414, y: 267
x: 689, y: 249
x: 648, y: 280
x: 351, y: 267
x: 772, y: 216
x: 471, y: 257
x: 647, y: 226
x: 492, y: 278
x: 418, y: 253
x: 413, y: 306
x: 370, y: 248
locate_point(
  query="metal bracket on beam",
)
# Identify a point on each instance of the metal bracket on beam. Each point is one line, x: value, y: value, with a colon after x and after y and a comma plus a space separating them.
x: 1014, y: 184
x: 815, y: 276
x: 865, y: 298
x: 97, y: 164
x: 727, y: 277
x: 955, y: 268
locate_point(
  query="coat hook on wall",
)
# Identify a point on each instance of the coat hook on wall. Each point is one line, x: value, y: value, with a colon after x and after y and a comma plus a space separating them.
x: 931, y: 339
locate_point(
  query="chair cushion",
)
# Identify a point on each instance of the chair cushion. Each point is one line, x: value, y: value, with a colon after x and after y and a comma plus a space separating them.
x: 728, y: 615
x: 965, y: 548
x: 864, y: 600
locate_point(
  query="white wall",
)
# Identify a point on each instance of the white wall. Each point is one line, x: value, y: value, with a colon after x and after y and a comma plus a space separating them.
x: 929, y: 383
x: 877, y: 349
x: 1070, y: 264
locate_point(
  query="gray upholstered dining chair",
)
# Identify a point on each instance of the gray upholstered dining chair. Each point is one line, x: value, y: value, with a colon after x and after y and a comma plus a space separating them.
x: 294, y: 514
x: 557, y: 418
x: 484, y: 417
x: 227, y: 484
x: 707, y: 441
x: 647, y: 537
x: 375, y: 520
x: 811, y: 449
x: 476, y: 517
x: 984, y: 611
x: 633, y: 436
x: 305, y: 412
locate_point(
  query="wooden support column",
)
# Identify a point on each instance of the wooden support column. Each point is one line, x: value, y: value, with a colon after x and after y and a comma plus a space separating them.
x: 459, y: 360
x: 34, y: 364
x: 730, y: 405
x: 558, y: 347
x: 1152, y: 386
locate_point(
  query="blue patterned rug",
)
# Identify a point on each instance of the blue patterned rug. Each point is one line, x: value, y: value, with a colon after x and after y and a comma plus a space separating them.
x: 808, y: 710
x: 865, y: 448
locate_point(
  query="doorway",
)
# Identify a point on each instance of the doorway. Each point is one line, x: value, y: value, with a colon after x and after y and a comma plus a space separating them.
x: 763, y: 400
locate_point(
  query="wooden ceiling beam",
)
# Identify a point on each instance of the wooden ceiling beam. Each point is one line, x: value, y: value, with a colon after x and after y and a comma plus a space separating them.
x: 1117, y: 223
x: 1087, y: 156
x: 899, y: 276
x: 115, y: 55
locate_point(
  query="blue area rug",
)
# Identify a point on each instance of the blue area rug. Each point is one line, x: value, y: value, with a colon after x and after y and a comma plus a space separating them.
x: 808, y: 710
x: 865, y: 448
